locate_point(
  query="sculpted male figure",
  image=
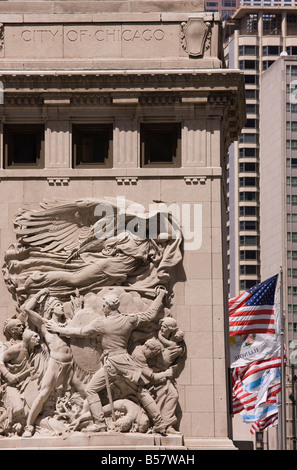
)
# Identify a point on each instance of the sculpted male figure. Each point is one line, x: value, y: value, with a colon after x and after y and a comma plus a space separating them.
x: 15, y: 368
x: 114, y: 330
x: 60, y: 366
x: 15, y: 358
x: 13, y: 331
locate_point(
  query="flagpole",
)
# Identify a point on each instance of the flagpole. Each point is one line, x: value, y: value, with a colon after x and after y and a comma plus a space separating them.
x: 283, y: 437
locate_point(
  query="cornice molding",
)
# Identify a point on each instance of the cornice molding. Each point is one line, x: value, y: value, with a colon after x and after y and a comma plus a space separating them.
x: 182, y: 81
x: 221, y: 90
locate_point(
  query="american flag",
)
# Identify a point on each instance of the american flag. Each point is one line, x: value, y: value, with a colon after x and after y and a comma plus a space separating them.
x: 264, y: 423
x: 253, y: 311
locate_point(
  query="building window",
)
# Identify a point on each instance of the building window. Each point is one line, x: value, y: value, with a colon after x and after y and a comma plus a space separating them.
x: 248, y: 240
x: 251, y: 79
x: 292, y: 290
x: 271, y: 24
x: 292, y: 237
x: 292, y: 199
x: 251, y: 94
x: 249, y: 211
x: 291, y: 162
x: 272, y: 50
x: 291, y: 107
x: 249, y: 152
x: 292, y: 181
x: 291, y: 144
x: 248, y: 167
x: 248, y: 255
x: 291, y: 70
x: 267, y: 63
x: 292, y: 255
x: 291, y: 24
x: 292, y: 218
x: 248, y: 65
x: 292, y: 308
x: 291, y: 126
x: 252, y: 108
x: 249, y: 139
x: 251, y: 123
x: 292, y: 272
x: 248, y: 269
x: 292, y: 327
x: 248, y: 181
x: 248, y: 225
x: 248, y: 50
x: 23, y: 145
x: 92, y: 145
x: 250, y: 196
x: 292, y: 50
x: 247, y: 284
x: 252, y: 24
x: 290, y: 87
x: 160, y: 145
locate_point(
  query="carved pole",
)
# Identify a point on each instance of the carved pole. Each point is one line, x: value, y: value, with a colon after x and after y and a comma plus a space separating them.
x: 109, y: 391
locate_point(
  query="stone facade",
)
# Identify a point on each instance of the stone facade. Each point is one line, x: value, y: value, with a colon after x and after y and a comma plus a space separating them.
x: 128, y: 64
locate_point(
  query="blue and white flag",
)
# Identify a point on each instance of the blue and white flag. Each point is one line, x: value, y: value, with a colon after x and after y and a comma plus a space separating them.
x: 249, y: 348
x: 261, y: 412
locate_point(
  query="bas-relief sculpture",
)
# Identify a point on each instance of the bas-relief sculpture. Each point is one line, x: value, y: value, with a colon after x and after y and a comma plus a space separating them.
x: 92, y: 345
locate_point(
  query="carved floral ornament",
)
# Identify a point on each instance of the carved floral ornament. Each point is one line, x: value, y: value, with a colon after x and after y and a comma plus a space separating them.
x: 92, y: 346
x: 195, y: 36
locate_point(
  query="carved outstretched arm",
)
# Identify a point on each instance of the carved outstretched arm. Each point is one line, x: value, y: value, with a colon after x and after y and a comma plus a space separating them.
x: 69, y: 331
x: 31, y: 304
x: 152, y: 313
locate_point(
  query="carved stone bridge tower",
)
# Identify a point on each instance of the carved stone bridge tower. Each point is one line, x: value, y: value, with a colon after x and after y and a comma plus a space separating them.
x: 130, y: 99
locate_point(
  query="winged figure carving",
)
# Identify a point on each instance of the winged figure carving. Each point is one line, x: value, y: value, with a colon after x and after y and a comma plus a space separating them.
x: 69, y: 245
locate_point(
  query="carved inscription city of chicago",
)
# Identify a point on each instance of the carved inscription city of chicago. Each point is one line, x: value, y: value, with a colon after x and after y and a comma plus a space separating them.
x: 92, y: 40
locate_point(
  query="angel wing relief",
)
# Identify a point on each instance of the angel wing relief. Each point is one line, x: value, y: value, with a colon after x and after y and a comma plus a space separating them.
x: 67, y: 256
x: 66, y: 246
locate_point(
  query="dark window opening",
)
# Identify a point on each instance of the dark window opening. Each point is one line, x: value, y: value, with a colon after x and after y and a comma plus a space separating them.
x: 23, y: 146
x: 251, y: 79
x: 92, y: 145
x: 247, y: 284
x: 160, y: 144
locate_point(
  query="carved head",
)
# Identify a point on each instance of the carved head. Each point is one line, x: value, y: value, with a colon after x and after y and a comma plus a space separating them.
x: 31, y: 338
x: 53, y: 306
x: 152, y: 348
x: 124, y: 423
x: 168, y: 326
x: 13, y: 328
x: 111, y: 302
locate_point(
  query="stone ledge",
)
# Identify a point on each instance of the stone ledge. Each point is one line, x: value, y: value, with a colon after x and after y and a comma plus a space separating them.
x: 99, y: 441
x: 86, y: 6
x: 111, y: 173
x: 211, y: 443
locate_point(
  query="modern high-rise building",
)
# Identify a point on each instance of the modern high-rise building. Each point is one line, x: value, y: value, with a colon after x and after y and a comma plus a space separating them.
x: 262, y: 41
x: 225, y: 7
x: 278, y: 207
x: 258, y: 35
